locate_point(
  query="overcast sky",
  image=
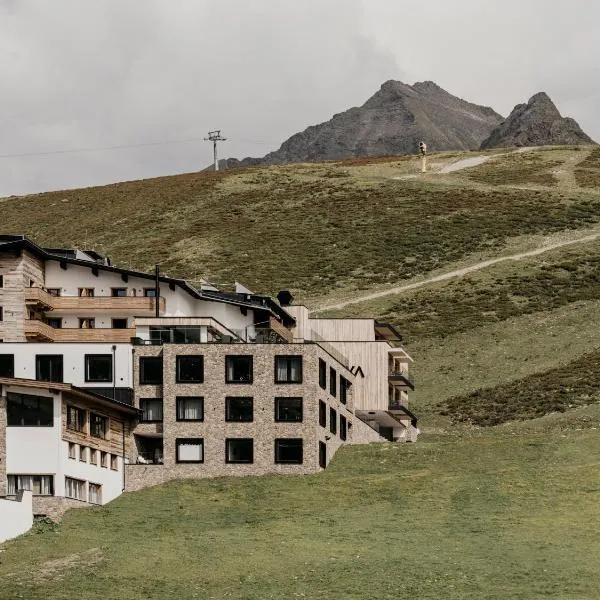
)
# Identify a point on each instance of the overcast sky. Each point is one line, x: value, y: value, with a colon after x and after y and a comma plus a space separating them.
x: 97, y: 73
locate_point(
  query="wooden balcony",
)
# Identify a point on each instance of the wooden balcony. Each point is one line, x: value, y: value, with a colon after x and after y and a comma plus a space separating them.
x: 41, y: 332
x: 282, y: 331
x: 89, y: 305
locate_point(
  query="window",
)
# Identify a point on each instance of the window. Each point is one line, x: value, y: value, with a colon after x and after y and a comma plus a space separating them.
x: 343, y: 428
x: 49, y: 367
x: 238, y: 369
x: 190, y: 408
x: 150, y: 292
x: 104, y: 459
x: 53, y: 292
x: 74, y: 488
x: 189, y: 450
x: 239, y: 450
x: 151, y: 370
x: 344, y: 389
x: 24, y: 410
x: 72, y: 450
x: 322, y: 455
x: 288, y: 451
x: 114, y: 462
x: 83, y: 453
x: 76, y: 418
x: 98, y: 426
x: 119, y: 323
x: 39, y: 485
x: 118, y: 292
x: 190, y: 369
x: 7, y: 365
x: 1, y: 314
x: 288, y: 410
x: 332, y: 421
x: 288, y: 369
x: 98, y: 368
x: 93, y: 456
x: 94, y: 493
x: 332, y: 381
x: 55, y: 323
x: 239, y: 409
x: 87, y: 323
x: 1, y: 281
x: 322, y: 374
x: 85, y: 292
x: 322, y: 414
x: 152, y: 410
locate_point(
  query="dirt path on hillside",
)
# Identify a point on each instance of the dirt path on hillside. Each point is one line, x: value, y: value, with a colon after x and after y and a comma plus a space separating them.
x: 466, y: 163
x: 459, y: 272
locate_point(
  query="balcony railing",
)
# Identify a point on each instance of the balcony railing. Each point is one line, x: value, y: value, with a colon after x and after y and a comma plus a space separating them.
x: 39, y: 330
x: 150, y: 458
x: 401, y: 379
x: 133, y: 305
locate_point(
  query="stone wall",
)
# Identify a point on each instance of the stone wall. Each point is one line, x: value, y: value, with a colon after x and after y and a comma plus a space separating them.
x: 55, y: 507
x: 2, y: 444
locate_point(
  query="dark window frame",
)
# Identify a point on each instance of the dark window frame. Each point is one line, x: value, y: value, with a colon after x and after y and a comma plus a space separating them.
x: 343, y: 428
x: 250, y: 359
x: 332, y: 420
x: 146, y: 360
x: 118, y: 294
x: 149, y: 292
x: 288, y: 357
x: 228, y: 418
x: 104, y: 419
x: 322, y: 414
x: 322, y: 455
x: 38, y: 357
x: 179, y: 359
x: 88, y: 358
x: 15, y: 475
x: 322, y: 374
x: 123, y: 321
x: 81, y: 424
x: 345, y: 386
x: 188, y: 441
x: 278, y: 418
x: 143, y: 420
x: 10, y: 360
x: 12, y: 397
x: 238, y: 462
x: 279, y: 441
x: 332, y: 382
x: 178, y: 399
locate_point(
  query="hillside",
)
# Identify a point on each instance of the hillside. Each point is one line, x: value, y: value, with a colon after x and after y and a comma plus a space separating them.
x: 391, y: 122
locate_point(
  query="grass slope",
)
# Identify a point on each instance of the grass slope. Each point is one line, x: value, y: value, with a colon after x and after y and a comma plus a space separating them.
x: 504, y: 513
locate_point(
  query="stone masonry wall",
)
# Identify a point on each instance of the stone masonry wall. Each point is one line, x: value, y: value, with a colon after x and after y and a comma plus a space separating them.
x: 2, y: 445
x: 55, y: 507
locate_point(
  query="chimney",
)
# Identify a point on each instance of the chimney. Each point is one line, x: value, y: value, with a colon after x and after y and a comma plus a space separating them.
x: 285, y: 298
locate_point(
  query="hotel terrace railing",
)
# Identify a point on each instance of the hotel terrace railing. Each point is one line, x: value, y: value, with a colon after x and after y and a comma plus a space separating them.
x: 38, y: 330
x: 133, y: 305
x: 401, y: 379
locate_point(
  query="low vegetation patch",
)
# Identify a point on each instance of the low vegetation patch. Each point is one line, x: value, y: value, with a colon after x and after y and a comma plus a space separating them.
x: 572, y: 385
x: 587, y: 172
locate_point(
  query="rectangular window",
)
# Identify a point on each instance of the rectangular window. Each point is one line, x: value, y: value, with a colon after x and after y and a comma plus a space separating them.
x: 98, y: 368
x: 72, y: 450
x: 1, y: 314
x: 85, y: 292
x: 39, y: 485
x: 151, y: 370
x: 55, y: 323
x: 288, y: 410
x: 49, y: 367
x: 118, y: 292
x: 98, y: 426
x: 239, y: 409
x: 322, y: 414
x: 104, y: 459
x: 190, y: 369
x: 288, y: 369
x: 87, y: 323
x: 322, y: 455
x: 332, y: 381
x: 53, y: 292
x: 238, y: 369
x: 7, y: 365
x: 93, y: 456
x: 288, y: 451
x: 83, y: 453
x: 74, y: 488
x: 114, y: 462
x: 322, y: 374
x: 343, y: 428
x: 189, y: 450
x: 1, y: 281
x: 344, y: 389
x: 94, y: 493
x: 239, y: 450
x: 23, y: 410
x: 119, y: 323
x: 152, y: 410
x: 332, y: 421
x: 150, y: 292
x: 190, y: 408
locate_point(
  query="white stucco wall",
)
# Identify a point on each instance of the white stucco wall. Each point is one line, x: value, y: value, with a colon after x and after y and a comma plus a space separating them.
x: 16, y: 518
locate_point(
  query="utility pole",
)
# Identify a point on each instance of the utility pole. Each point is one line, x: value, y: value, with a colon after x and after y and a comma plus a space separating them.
x: 214, y: 137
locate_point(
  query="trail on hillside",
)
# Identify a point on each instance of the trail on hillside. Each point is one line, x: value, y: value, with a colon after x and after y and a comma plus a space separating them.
x: 458, y: 272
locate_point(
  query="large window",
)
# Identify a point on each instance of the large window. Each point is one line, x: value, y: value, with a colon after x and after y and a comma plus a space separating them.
x: 288, y: 369
x: 24, y: 410
x: 98, y: 426
x: 118, y: 292
x: 49, y: 367
x: 288, y: 410
x: 74, y: 488
x: 239, y: 409
x: 343, y: 428
x: 152, y: 410
x: 190, y: 408
x: 189, y: 450
x: 322, y: 414
x: 151, y: 370
x: 94, y: 493
x: 119, y: 323
x: 190, y: 369
x: 322, y: 374
x: 332, y: 421
x: 239, y: 450
x: 98, y: 367
x: 332, y: 381
x: 288, y: 451
x: 39, y: 485
x: 344, y: 388
x: 7, y: 365
x: 76, y: 418
x: 238, y: 369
